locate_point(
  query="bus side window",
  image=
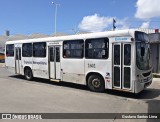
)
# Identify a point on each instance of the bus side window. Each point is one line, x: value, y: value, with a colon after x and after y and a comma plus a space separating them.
x: 27, y: 50
x: 39, y: 49
x: 73, y: 49
x: 97, y: 48
x: 10, y: 50
x: 66, y: 54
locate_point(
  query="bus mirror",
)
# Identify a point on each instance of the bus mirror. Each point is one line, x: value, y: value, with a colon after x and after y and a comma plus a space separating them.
x: 132, y: 39
x: 142, y: 51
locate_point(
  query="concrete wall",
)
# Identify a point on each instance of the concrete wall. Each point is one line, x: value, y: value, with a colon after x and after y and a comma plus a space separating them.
x: 154, y: 56
x: 155, y: 51
x: 3, y: 40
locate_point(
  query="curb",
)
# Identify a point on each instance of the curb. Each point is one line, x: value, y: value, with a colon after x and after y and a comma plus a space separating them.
x: 156, y: 75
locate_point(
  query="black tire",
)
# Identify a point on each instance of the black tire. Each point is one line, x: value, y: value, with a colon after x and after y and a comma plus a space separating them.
x: 28, y: 74
x: 96, y: 83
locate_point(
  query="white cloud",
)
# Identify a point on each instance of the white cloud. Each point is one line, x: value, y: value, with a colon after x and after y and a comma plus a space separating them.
x: 122, y: 24
x: 96, y: 23
x: 145, y: 25
x: 147, y: 9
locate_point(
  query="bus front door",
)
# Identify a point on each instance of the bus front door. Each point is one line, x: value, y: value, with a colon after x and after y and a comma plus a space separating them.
x: 54, y: 62
x: 122, y: 66
x: 18, y: 60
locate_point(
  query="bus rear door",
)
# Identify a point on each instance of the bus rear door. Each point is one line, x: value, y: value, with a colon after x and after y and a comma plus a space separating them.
x: 54, y: 62
x: 122, y: 56
x: 18, y: 63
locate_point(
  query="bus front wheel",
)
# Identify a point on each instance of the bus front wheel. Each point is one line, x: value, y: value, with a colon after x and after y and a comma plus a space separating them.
x: 96, y: 83
x: 28, y: 74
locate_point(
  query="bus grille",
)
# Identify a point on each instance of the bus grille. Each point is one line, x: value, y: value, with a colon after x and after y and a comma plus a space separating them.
x: 146, y: 74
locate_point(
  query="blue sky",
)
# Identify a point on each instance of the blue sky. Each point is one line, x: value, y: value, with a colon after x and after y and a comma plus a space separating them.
x: 37, y: 16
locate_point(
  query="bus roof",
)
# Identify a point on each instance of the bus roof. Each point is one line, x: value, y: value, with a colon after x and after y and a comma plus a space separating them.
x: 117, y: 33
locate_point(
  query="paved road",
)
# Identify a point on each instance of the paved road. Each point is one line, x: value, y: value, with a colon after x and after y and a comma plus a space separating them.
x: 18, y: 95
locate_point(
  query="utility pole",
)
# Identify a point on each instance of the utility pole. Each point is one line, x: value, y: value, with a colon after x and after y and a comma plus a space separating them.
x: 75, y: 30
x: 114, y: 26
x: 55, y: 16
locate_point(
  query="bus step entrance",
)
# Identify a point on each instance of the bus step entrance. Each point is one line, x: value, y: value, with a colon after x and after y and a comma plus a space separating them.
x: 55, y: 80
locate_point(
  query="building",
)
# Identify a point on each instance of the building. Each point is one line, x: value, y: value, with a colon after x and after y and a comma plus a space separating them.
x: 155, y: 51
x: 6, y: 37
x: 3, y: 40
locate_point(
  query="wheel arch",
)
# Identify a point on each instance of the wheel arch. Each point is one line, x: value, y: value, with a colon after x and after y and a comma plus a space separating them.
x: 93, y: 73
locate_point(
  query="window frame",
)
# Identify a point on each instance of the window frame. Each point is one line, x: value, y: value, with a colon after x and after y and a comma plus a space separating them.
x: 106, y: 47
x: 80, y: 41
x: 45, y: 50
x: 13, y: 51
x: 23, y: 50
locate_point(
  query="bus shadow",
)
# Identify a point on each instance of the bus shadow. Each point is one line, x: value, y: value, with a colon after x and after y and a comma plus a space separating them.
x: 146, y: 94
x: 47, y: 81
x: 149, y: 93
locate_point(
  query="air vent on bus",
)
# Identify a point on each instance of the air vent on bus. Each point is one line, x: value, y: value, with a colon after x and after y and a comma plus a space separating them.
x: 146, y: 74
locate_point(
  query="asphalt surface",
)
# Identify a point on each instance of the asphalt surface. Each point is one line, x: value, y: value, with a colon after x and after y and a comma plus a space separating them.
x: 18, y: 95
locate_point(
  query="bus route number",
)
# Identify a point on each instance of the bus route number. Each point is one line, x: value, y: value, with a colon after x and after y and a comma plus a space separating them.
x: 91, y: 66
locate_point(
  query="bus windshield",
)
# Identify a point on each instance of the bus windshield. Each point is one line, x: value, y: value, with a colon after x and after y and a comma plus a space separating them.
x: 143, y: 60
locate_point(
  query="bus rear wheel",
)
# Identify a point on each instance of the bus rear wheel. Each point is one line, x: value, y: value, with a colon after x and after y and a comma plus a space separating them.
x: 28, y: 74
x: 96, y: 83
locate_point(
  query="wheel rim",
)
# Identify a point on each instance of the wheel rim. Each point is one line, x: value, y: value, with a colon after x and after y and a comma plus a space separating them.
x: 96, y: 83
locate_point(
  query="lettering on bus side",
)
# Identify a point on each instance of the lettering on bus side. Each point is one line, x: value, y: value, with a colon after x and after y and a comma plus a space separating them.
x: 27, y: 62
x: 91, y: 65
x: 53, y: 43
x: 34, y: 62
x: 121, y: 39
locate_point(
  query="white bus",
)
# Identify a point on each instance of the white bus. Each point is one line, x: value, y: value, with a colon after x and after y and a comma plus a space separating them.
x: 117, y: 60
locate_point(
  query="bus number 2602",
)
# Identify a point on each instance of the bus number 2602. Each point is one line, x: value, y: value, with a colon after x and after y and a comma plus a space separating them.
x: 91, y: 66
